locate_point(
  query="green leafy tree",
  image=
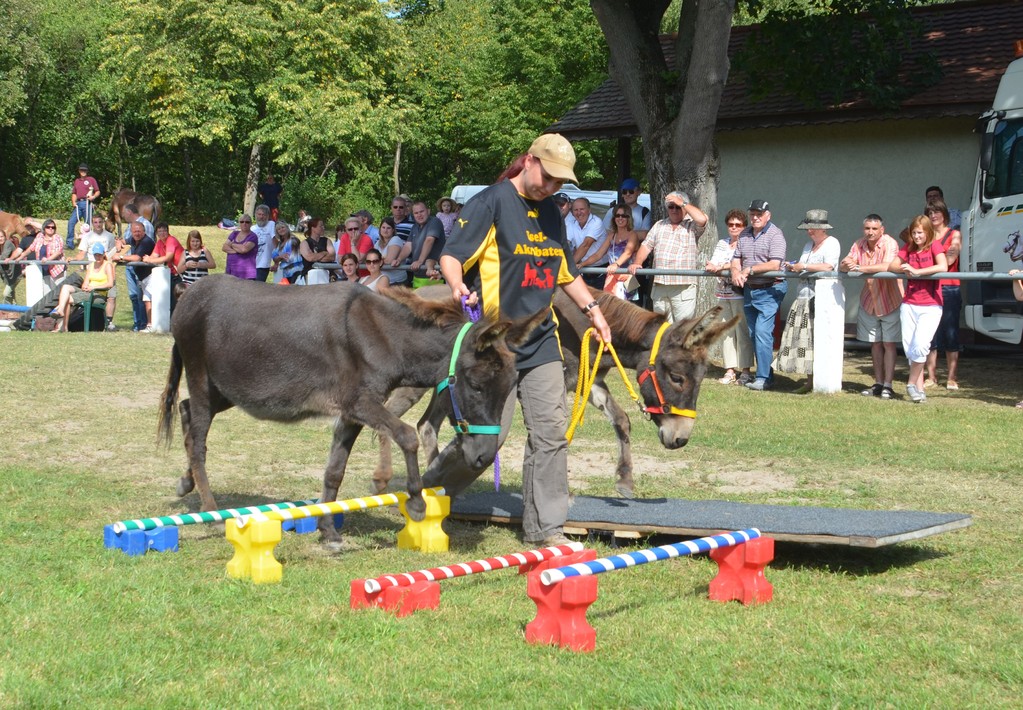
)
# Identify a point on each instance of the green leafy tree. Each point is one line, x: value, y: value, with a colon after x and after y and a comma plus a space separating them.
x: 307, y: 81
x: 485, y: 77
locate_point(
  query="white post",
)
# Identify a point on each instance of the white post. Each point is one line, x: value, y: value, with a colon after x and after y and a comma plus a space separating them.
x: 160, y: 287
x: 35, y: 286
x: 828, y: 335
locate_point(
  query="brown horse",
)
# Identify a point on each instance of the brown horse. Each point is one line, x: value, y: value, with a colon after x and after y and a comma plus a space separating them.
x: 332, y: 350
x: 669, y: 389
x: 148, y: 206
x: 13, y: 225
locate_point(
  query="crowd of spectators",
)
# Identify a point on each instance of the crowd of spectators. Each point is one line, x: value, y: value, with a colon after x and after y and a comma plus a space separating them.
x: 922, y: 315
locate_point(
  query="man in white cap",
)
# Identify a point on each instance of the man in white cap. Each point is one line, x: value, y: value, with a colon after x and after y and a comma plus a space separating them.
x: 673, y: 244
x: 508, y: 251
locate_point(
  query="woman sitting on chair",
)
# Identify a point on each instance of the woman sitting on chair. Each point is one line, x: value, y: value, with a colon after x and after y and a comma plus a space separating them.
x: 99, y: 277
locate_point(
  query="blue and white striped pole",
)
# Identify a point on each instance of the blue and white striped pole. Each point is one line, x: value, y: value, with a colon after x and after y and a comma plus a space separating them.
x: 653, y: 554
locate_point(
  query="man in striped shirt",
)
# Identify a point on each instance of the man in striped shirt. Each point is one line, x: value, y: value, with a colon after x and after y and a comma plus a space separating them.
x: 761, y: 248
x: 878, y: 320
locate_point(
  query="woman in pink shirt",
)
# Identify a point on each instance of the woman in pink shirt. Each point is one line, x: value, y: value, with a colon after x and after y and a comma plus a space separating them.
x: 241, y: 250
x: 921, y: 255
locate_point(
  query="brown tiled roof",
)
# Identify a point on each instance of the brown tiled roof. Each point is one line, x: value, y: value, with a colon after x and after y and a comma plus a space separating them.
x: 972, y: 42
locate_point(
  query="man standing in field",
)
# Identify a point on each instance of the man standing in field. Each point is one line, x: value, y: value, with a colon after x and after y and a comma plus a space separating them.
x: 761, y: 248
x: 877, y: 322
x: 84, y: 194
x: 673, y: 244
x: 264, y: 229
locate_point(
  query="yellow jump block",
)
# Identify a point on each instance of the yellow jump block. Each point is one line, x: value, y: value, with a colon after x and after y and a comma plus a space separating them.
x: 254, y: 537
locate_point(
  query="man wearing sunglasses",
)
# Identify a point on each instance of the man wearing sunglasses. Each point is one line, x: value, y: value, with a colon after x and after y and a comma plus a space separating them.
x: 673, y: 244
x: 629, y: 191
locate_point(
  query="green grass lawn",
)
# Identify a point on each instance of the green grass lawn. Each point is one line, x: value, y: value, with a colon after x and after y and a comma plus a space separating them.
x: 932, y: 623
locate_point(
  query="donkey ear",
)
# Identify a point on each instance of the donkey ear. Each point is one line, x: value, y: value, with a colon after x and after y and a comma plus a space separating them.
x: 491, y: 333
x: 519, y: 330
x: 700, y: 335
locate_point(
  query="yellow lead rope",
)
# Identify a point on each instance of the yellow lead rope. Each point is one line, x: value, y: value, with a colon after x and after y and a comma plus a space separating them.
x: 588, y: 375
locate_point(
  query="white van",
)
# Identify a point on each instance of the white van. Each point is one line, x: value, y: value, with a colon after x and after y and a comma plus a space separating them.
x: 600, y: 199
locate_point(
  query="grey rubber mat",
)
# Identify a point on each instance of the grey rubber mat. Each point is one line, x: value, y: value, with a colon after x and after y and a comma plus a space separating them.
x: 837, y: 526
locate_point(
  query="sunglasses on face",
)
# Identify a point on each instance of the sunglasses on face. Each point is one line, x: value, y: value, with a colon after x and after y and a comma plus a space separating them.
x: 736, y: 225
x: 49, y: 226
x: 372, y: 261
x: 245, y: 221
x: 621, y: 216
x: 629, y: 192
x: 674, y: 207
x: 352, y: 229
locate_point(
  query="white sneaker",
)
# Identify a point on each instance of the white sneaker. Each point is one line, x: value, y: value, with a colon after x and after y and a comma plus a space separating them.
x: 148, y: 329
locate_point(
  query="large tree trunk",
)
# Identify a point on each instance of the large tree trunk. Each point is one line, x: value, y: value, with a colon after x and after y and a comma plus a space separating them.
x: 252, y: 178
x: 675, y: 108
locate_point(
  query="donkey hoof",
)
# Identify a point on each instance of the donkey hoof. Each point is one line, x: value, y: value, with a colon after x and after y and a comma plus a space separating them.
x: 416, y: 508
x: 625, y: 490
x: 334, y: 546
x: 378, y: 487
x: 185, y: 486
x: 330, y: 538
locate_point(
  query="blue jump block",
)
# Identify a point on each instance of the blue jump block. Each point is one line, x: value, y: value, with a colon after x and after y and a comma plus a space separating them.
x: 138, y: 542
x: 302, y: 526
x: 162, y: 539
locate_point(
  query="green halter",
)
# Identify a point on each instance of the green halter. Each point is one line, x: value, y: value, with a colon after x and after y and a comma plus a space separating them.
x: 462, y: 426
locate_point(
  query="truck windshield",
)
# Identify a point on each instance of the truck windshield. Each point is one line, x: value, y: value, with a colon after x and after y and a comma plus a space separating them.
x: 1005, y: 176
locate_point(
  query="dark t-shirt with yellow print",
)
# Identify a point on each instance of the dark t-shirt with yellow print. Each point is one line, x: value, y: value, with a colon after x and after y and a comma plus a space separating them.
x: 512, y: 251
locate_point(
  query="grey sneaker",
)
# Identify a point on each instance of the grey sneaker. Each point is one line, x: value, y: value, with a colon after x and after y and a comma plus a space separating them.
x: 759, y: 384
x: 744, y: 378
x: 111, y: 327
x: 875, y: 391
x: 915, y: 394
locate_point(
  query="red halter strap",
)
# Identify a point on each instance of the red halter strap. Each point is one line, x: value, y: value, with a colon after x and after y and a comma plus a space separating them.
x: 651, y: 372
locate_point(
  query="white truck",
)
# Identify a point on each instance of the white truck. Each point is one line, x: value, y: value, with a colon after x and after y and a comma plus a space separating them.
x: 992, y: 229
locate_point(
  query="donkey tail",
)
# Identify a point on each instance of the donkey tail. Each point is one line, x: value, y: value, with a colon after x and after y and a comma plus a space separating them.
x: 169, y: 399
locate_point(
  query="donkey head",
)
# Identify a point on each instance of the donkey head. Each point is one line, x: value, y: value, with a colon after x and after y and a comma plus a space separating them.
x: 485, y: 377
x: 670, y: 393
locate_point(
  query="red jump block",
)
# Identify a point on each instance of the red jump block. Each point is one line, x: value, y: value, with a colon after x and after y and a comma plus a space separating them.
x: 561, y: 608
x: 403, y: 601
x: 741, y: 572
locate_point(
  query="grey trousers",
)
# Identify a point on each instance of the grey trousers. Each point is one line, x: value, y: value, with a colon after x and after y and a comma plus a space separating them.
x: 541, y: 390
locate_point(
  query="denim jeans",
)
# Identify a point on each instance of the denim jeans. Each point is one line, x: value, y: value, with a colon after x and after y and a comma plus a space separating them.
x: 946, y: 337
x: 760, y: 306
x: 81, y: 211
x: 138, y: 307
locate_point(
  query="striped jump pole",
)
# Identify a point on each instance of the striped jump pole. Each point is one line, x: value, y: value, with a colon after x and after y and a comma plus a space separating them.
x: 563, y: 594
x: 654, y: 554
x: 255, y: 536
x: 213, y: 516
x: 411, y: 591
x: 136, y: 537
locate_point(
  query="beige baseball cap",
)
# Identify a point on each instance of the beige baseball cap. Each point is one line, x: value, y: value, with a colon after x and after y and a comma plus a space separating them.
x: 556, y: 155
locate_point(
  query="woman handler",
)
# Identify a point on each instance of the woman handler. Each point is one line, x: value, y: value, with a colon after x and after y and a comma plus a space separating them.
x: 507, y: 249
